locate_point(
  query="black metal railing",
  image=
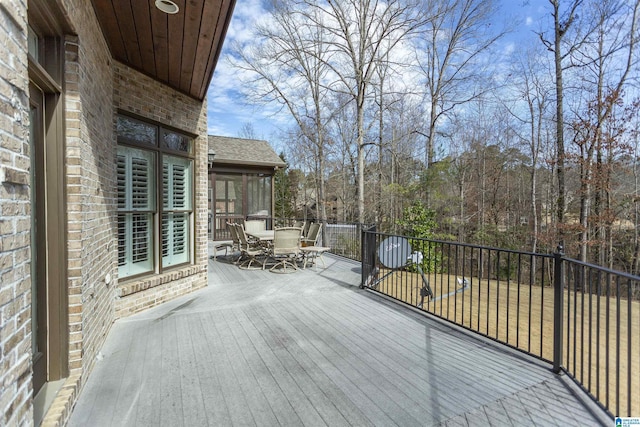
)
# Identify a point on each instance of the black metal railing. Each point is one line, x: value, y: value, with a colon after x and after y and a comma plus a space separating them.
x: 601, y: 333
x: 581, y: 318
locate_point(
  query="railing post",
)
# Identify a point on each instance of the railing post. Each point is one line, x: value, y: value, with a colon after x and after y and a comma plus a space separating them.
x: 558, y: 307
x: 367, y: 252
x: 363, y: 255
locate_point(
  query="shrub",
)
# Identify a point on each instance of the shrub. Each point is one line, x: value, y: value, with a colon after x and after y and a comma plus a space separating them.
x: 418, y: 222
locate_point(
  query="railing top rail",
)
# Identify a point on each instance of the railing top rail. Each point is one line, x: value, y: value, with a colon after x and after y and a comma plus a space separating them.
x: 468, y: 245
x: 606, y: 270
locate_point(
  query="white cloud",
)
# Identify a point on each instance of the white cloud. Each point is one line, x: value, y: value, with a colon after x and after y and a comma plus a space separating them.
x: 509, y: 48
x: 227, y: 110
x: 245, y: 16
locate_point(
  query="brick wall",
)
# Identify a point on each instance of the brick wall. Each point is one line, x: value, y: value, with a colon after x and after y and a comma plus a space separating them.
x: 136, y: 93
x: 95, y: 87
x: 90, y: 199
x: 15, y: 223
x: 90, y: 187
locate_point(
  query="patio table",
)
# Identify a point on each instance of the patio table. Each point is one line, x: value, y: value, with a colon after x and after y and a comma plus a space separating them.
x: 313, y: 253
x: 263, y: 235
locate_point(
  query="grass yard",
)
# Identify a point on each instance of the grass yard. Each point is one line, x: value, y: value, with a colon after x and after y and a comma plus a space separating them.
x: 522, y: 316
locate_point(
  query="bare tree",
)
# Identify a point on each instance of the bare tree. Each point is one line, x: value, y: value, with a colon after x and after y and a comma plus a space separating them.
x: 562, y: 46
x: 615, y: 43
x: 343, y: 132
x: 396, y: 112
x: 449, y: 58
x: 291, y: 68
x: 635, y: 195
x: 247, y: 131
x: 359, y: 33
x: 605, y: 57
x: 531, y: 88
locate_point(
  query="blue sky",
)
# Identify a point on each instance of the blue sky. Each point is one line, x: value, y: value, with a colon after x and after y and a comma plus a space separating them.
x: 228, y: 112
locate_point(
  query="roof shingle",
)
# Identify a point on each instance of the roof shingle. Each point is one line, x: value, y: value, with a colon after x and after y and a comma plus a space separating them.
x: 239, y: 151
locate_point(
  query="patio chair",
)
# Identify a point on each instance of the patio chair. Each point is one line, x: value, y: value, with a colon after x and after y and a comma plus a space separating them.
x: 235, y: 239
x: 311, y: 238
x: 218, y: 246
x: 311, y: 253
x: 255, y: 225
x: 249, y: 250
x: 286, y: 249
x: 310, y: 248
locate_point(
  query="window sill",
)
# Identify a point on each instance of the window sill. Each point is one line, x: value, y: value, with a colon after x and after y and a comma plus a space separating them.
x: 141, y: 284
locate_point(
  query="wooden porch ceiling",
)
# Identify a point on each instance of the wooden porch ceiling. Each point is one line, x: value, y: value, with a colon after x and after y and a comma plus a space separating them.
x: 180, y: 50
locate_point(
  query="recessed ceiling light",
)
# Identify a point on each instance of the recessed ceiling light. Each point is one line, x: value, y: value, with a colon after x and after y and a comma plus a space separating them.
x: 167, y: 6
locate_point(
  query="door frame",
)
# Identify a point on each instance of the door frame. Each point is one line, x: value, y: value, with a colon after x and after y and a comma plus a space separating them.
x: 52, y: 214
x: 38, y: 230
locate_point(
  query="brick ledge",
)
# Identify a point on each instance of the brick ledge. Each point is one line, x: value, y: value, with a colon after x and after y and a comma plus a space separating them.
x: 60, y: 410
x: 129, y: 288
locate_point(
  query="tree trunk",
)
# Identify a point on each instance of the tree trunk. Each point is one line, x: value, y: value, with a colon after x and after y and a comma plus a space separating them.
x: 585, y: 205
x: 560, y: 153
x: 360, y: 125
x: 379, y: 214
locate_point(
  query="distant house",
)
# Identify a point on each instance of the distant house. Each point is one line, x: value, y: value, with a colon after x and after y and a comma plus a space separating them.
x: 240, y: 182
x: 103, y: 180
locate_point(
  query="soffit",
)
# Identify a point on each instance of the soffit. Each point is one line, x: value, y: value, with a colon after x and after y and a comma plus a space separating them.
x: 180, y: 50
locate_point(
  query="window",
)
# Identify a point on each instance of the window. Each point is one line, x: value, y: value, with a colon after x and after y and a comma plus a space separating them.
x: 229, y: 194
x: 136, y: 208
x: 259, y: 195
x: 155, y: 212
x: 176, y: 190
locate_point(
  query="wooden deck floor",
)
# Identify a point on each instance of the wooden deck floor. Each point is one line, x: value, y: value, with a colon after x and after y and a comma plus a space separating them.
x: 311, y: 348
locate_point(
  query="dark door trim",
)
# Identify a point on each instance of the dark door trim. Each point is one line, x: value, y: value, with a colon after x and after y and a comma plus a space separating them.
x: 51, y: 245
x: 38, y: 234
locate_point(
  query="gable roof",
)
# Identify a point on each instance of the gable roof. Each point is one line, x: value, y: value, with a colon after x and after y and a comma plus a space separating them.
x: 246, y: 152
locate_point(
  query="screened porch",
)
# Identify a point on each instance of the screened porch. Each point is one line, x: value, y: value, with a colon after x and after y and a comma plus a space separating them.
x: 240, y: 182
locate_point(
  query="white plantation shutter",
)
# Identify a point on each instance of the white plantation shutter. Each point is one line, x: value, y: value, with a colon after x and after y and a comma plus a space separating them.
x: 179, y: 198
x: 122, y: 240
x: 180, y: 234
x: 140, y: 183
x: 122, y: 204
x: 140, y: 238
x: 165, y: 185
x: 155, y: 218
x: 177, y: 194
x: 122, y: 179
x: 136, y: 189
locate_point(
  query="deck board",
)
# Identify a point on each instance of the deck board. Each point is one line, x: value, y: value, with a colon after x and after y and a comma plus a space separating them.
x: 343, y: 362
x: 209, y: 368
x: 334, y: 405
x: 311, y: 348
x: 264, y: 382
x: 403, y: 399
x: 146, y: 412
